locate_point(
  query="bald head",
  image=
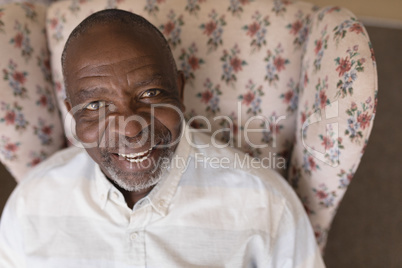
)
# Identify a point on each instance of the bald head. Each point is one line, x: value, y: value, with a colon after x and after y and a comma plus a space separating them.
x: 128, y: 21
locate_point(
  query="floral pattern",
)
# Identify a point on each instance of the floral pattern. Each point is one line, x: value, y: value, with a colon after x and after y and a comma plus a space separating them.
x: 45, y: 98
x: 321, y: 99
x: 291, y: 97
x: 350, y: 25
x: 280, y: 6
x: 300, y: 28
x: 44, y: 64
x: 13, y: 116
x: 320, y: 46
x: 232, y: 64
x: 359, y: 119
x: 252, y: 98
x: 189, y: 62
x: 30, y: 10
x: 22, y: 41
x: 214, y: 30
x: 229, y: 137
x: 236, y: 6
x: 257, y: 30
x: 325, y: 196
x: 75, y: 6
x: 347, y: 69
x: 36, y: 158
x: 1, y: 20
x: 210, y: 97
x: 9, y: 149
x: 57, y: 25
x: 272, y: 129
x: 152, y: 6
x: 16, y: 79
x: 27, y: 87
x: 327, y: 10
x: 345, y: 178
x: 44, y: 132
x: 332, y: 145
x: 309, y: 163
x: 172, y: 29
x: 275, y: 64
x: 193, y: 6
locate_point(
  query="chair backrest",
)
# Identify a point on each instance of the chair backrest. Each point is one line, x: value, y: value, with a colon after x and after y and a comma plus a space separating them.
x: 290, y: 83
x: 30, y: 124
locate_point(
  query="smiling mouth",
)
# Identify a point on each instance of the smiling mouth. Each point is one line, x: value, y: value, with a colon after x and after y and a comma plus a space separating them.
x: 137, y: 157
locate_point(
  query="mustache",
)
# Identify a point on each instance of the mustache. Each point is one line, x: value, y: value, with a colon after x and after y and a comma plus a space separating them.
x: 145, y: 137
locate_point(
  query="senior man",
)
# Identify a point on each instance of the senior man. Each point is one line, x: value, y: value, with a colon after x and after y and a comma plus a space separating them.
x: 143, y: 192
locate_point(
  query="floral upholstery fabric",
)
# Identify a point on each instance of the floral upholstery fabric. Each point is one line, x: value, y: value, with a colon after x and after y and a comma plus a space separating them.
x: 287, y: 82
x: 29, y: 118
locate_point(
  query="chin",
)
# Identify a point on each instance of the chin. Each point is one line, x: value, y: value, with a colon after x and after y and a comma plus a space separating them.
x: 135, y: 177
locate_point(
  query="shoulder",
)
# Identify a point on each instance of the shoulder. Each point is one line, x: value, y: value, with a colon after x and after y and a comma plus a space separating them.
x: 228, y: 168
x: 54, y: 179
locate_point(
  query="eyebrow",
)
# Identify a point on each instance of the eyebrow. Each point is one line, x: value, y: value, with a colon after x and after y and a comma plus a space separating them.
x: 155, y: 79
x: 91, y: 92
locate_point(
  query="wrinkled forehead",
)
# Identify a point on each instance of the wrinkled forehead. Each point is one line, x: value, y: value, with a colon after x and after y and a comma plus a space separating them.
x: 107, y: 40
x: 105, y: 45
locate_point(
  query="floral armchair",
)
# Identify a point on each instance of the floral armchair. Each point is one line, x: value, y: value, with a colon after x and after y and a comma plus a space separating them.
x: 288, y: 82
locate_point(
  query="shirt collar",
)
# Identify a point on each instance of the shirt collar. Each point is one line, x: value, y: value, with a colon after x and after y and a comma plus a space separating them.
x: 161, y: 195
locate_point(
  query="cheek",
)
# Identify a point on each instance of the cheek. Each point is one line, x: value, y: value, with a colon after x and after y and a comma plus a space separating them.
x: 171, y: 118
x: 87, y: 132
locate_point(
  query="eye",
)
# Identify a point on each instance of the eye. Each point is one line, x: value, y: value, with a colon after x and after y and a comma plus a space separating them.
x: 150, y: 93
x: 95, y: 105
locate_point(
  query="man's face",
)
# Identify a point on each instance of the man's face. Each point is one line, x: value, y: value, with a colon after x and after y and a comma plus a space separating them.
x: 114, y: 78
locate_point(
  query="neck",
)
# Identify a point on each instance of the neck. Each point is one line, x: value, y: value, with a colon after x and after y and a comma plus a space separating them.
x: 132, y: 197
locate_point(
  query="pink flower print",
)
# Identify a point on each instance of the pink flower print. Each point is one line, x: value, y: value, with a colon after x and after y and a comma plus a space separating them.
x: 279, y: 63
x: 303, y: 117
x: 206, y: 96
x: 253, y: 29
x: 168, y: 28
x: 296, y: 26
x: 18, y: 40
x: 356, y: 27
x: 11, y: 147
x: 10, y: 118
x: 321, y: 194
x: 43, y: 100
x: 210, y: 27
x: 323, y: 99
x: 311, y: 162
x: 248, y: 98
x: 194, y: 62
x: 288, y: 97
x: 327, y: 142
x: 19, y: 77
x: 236, y: 63
x: 53, y: 23
x: 318, y: 46
x: 363, y: 120
x: 344, y: 66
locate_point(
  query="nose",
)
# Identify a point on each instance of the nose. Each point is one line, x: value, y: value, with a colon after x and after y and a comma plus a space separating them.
x: 131, y: 123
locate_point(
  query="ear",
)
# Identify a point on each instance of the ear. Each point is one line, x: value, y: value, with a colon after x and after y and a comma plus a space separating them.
x: 180, y: 86
x: 68, y: 105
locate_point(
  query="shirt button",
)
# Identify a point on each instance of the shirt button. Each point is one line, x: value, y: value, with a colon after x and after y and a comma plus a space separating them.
x: 133, y: 236
x: 115, y: 195
x: 161, y: 203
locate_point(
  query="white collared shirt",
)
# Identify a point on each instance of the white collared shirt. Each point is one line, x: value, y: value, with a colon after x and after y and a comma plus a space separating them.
x: 212, y: 210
